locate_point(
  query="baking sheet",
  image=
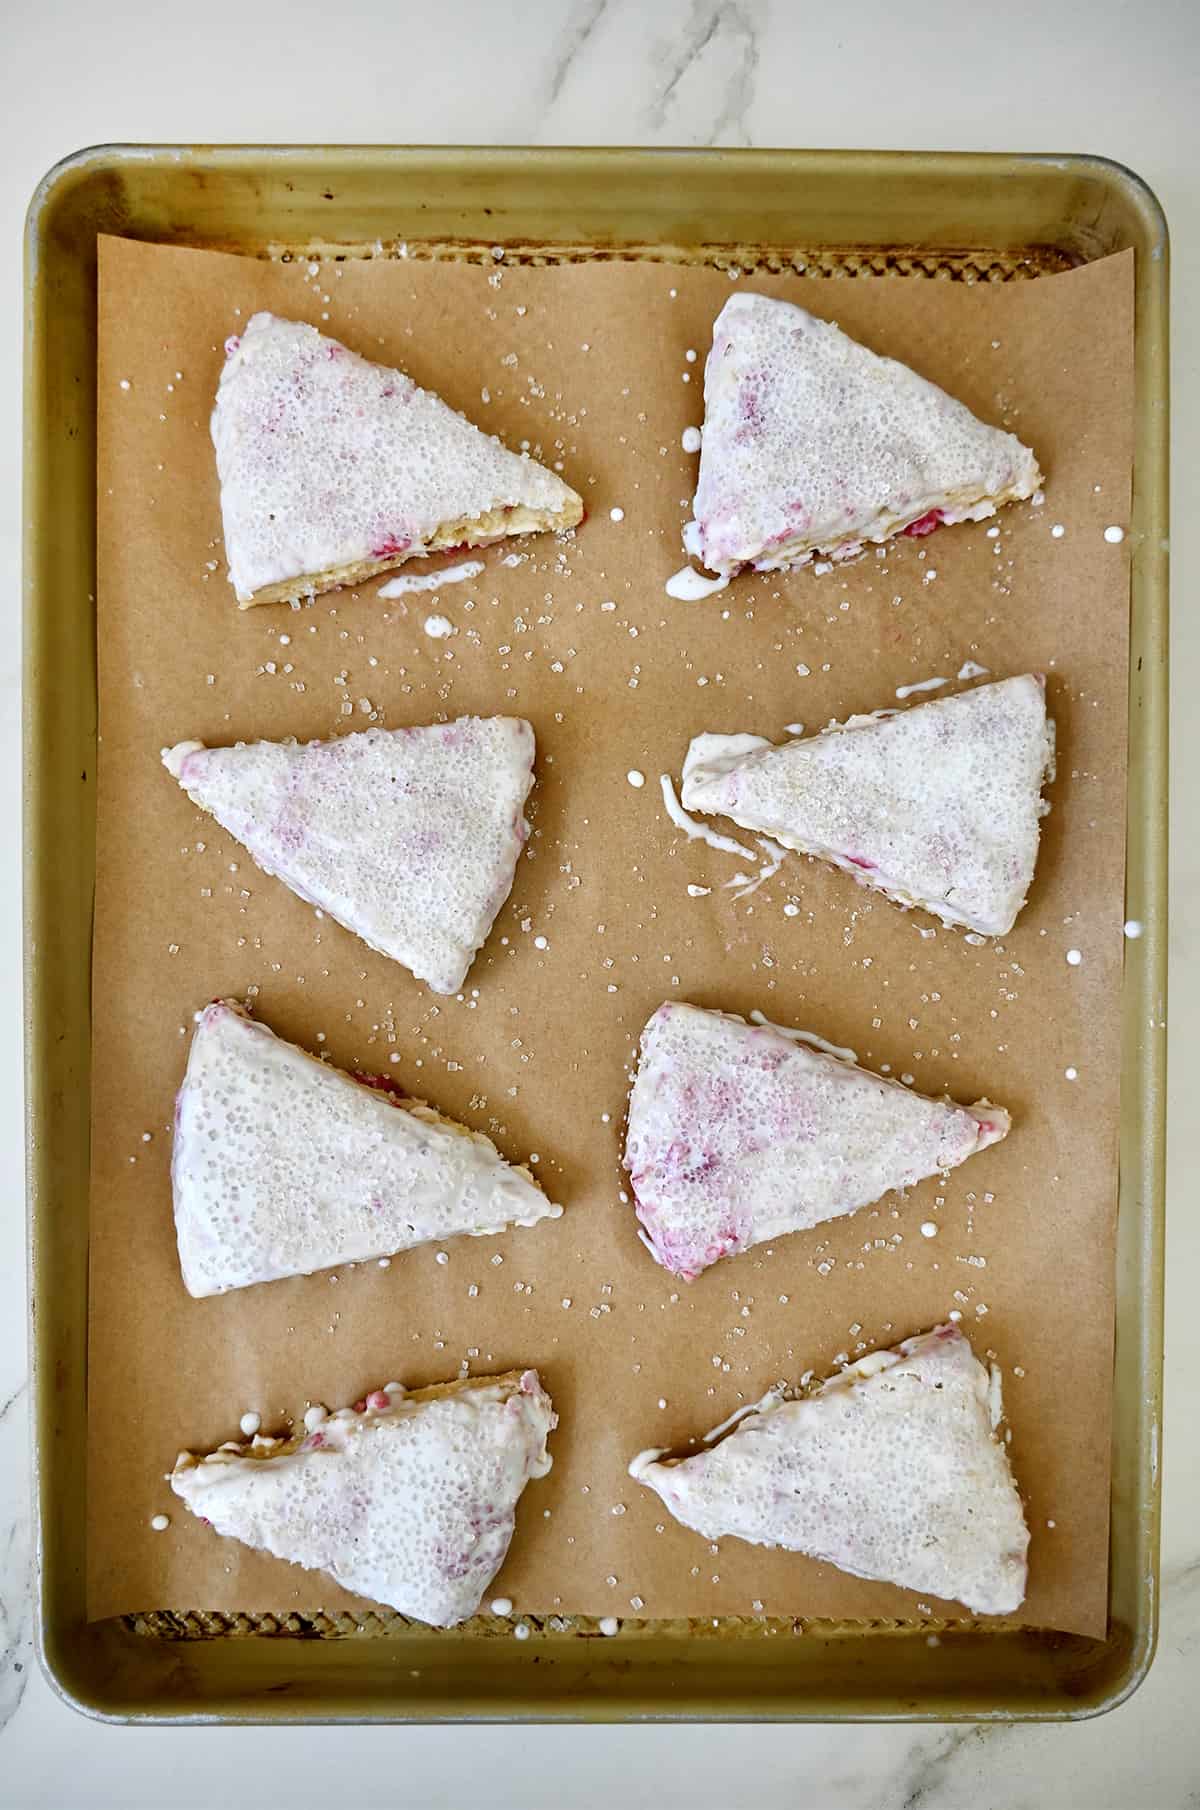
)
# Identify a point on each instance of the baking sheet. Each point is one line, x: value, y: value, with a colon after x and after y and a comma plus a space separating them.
x: 539, y: 1055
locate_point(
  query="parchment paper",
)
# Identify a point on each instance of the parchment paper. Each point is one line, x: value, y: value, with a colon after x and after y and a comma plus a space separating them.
x: 589, y: 365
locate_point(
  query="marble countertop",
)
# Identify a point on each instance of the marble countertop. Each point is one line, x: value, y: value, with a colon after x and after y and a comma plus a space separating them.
x: 692, y: 72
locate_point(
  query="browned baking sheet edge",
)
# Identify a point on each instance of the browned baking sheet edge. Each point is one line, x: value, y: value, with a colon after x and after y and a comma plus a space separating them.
x: 1069, y: 208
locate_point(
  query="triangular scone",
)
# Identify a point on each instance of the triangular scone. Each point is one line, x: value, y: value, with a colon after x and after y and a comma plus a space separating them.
x: 408, y: 837
x: 813, y: 444
x: 890, y: 1471
x: 738, y: 1134
x: 938, y: 805
x: 408, y: 1500
x: 282, y: 1166
x: 334, y: 469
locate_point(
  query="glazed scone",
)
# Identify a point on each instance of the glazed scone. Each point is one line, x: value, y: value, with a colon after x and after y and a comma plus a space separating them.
x: 891, y: 1471
x: 408, y: 1500
x: 282, y: 1165
x: 939, y: 805
x: 334, y: 469
x: 814, y: 445
x: 739, y: 1134
x: 408, y: 837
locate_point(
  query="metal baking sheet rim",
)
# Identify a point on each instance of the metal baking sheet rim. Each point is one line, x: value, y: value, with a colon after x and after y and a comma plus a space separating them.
x: 856, y: 202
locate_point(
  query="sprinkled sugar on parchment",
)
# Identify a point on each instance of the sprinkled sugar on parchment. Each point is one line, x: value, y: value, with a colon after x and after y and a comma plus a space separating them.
x: 613, y: 911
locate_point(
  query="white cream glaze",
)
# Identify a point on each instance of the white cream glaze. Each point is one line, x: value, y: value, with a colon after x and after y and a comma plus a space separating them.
x: 813, y: 444
x: 938, y: 805
x: 837, y: 1050
x: 409, y: 1502
x: 173, y: 758
x: 282, y: 1165
x: 749, y: 884
x: 738, y: 1135
x: 697, y: 832
x: 408, y: 837
x: 690, y: 586
x: 409, y: 583
x: 892, y: 1473
x: 907, y: 691
x: 870, y: 1364
x: 995, y: 1396
x: 710, y: 755
x: 333, y: 468
x: 769, y: 1400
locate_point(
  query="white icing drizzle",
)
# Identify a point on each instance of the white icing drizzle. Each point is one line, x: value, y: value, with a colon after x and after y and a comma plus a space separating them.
x: 829, y: 393
x: 709, y: 755
x: 995, y: 1396
x: 294, y: 407
x: 771, y: 1399
x: 410, y: 1503
x: 375, y: 1178
x: 970, y: 669
x: 651, y: 1455
x: 439, y: 627
x: 867, y: 1366
x: 776, y: 857
x: 173, y: 758
x: 697, y: 832
x: 404, y: 586
x: 691, y: 440
x: 691, y: 586
x: 836, y: 1050
x: 906, y: 691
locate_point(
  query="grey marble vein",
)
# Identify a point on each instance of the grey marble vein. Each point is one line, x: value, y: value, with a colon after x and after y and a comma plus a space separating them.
x: 16, y: 1643
x: 725, y: 30
x: 929, y: 1764
x: 13, y: 1399
x: 1179, y: 1587
x: 574, y: 39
